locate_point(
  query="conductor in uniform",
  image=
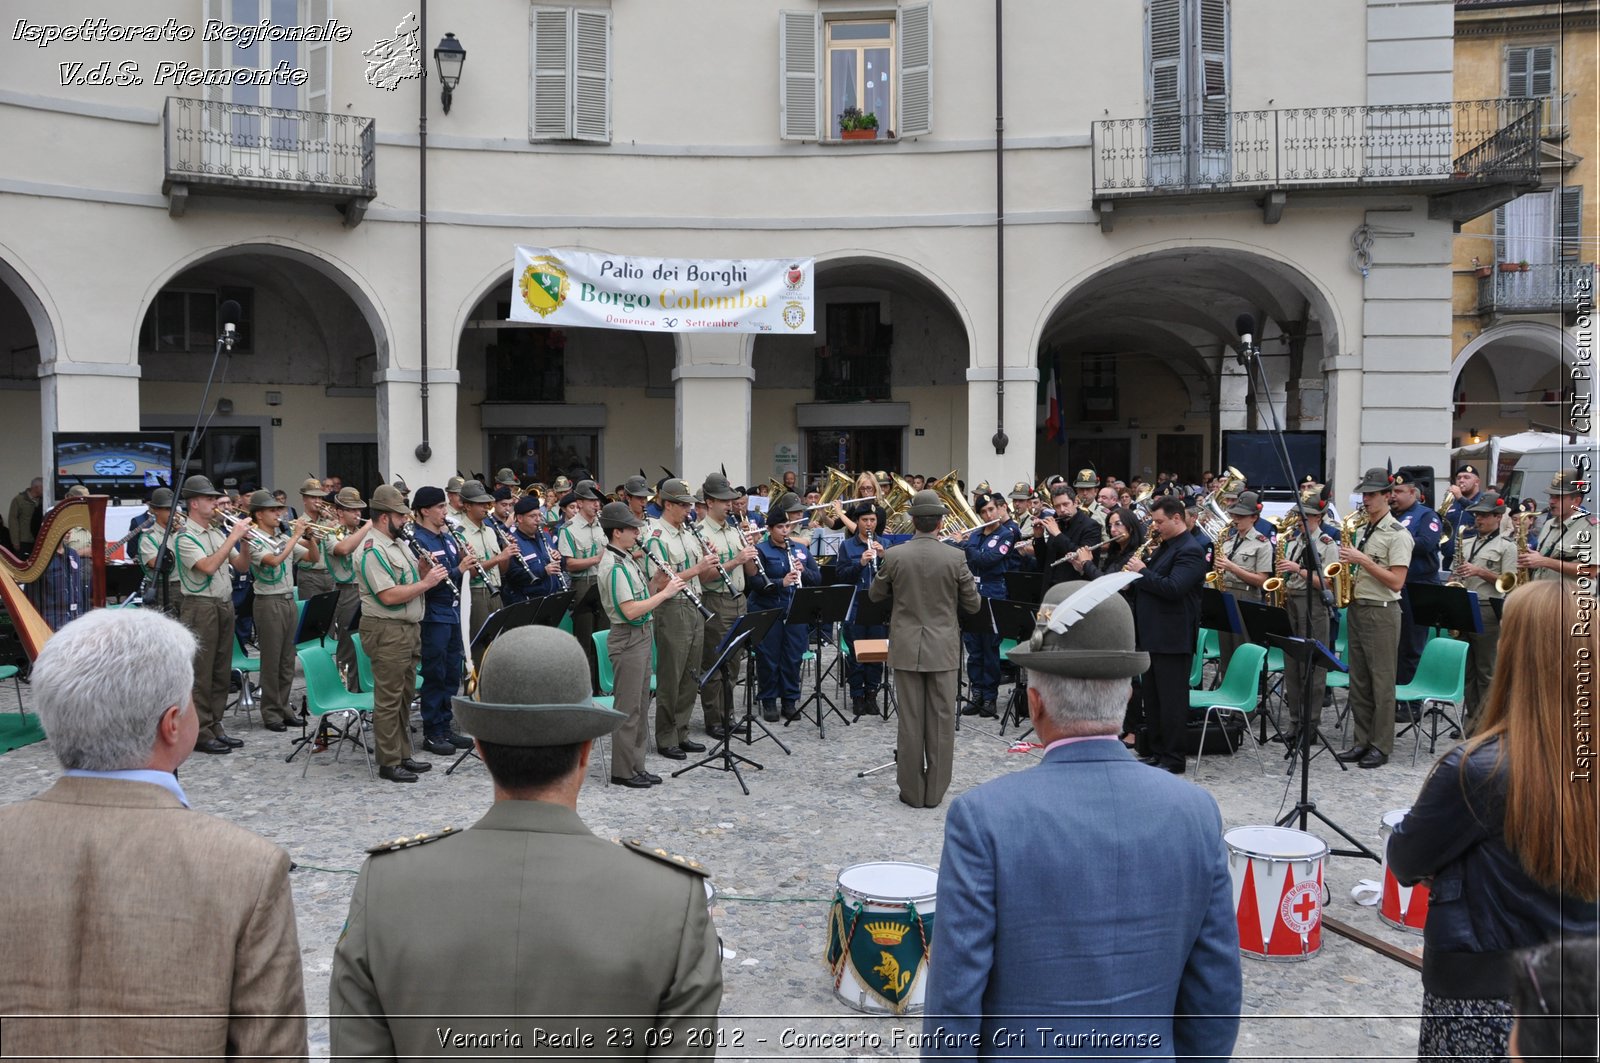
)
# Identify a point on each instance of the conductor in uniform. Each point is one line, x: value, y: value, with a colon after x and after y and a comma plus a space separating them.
x: 929, y: 581
x: 618, y: 948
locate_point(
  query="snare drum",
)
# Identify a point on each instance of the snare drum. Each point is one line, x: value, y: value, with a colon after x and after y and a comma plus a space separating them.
x: 879, y: 929
x: 1402, y: 907
x: 1277, y: 891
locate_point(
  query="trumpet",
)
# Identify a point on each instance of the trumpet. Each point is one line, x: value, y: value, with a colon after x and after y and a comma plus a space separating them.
x: 323, y: 531
x: 259, y: 540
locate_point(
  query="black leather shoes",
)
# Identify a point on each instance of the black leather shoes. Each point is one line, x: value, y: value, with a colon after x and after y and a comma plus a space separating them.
x: 769, y: 712
x: 717, y: 731
x: 440, y: 746
x: 637, y: 782
x: 229, y: 741
x: 210, y: 745
x: 397, y: 773
x: 791, y: 711
x: 990, y: 709
x: 689, y: 745
x: 276, y: 725
x: 655, y: 780
x: 1152, y: 760
x: 458, y: 741
x: 418, y: 766
x: 1354, y: 753
x: 1375, y: 758
x: 972, y: 708
x: 673, y: 753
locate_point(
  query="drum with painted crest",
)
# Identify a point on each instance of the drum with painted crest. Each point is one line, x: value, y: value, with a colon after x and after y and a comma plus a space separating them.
x: 1278, y: 891
x: 879, y: 928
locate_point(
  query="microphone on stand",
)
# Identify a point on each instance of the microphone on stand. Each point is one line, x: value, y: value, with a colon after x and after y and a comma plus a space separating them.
x: 1245, y: 326
x: 229, y: 312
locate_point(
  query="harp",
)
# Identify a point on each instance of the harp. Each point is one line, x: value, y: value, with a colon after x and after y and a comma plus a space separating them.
x: 15, y: 573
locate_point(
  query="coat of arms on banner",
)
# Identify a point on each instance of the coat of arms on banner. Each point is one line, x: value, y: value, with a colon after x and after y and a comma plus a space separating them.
x: 794, y: 314
x: 544, y: 285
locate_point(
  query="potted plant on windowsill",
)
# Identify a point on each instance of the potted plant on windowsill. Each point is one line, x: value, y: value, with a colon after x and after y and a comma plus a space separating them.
x: 1513, y: 267
x: 854, y: 124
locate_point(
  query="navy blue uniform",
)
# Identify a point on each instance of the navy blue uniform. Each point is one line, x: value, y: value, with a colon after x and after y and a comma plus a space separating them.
x: 865, y: 679
x: 536, y: 552
x: 1424, y: 525
x: 778, y: 655
x: 989, y: 556
x: 515, y: 579
x: 442, y: 649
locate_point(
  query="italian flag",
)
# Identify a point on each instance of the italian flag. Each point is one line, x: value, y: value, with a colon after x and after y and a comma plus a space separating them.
x: 1055, y: 427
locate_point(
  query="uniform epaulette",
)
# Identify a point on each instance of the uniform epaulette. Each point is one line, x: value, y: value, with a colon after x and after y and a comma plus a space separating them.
x: 412, y: 842
x: 682, y: 863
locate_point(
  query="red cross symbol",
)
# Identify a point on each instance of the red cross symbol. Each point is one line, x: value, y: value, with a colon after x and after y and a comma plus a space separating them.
x: 1305, y: 906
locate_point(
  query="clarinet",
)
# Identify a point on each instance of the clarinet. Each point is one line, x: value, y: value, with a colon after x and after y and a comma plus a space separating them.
x: 716, y: 558
x: 561, y: 572
x: 501, y: 537
x: 406, y: 536
x: 694, y: 598
x: 872, y: 544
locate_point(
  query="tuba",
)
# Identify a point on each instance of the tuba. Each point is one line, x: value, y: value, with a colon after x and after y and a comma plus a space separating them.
x: 836, y: 487
x: 71, y: 513
x: 961, y: 518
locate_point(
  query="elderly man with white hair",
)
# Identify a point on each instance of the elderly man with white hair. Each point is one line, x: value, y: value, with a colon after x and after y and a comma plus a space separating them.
x: 134, y: 925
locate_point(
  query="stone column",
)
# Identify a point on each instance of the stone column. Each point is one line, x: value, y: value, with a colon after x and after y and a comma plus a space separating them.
x: 712, y: 428
x: 400, y: 425
x: 84, y: 397
x: 1021, y: 425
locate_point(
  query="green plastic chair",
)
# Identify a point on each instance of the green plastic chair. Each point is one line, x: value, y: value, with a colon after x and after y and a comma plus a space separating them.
x: 1341, y: 680
x: 608, y: 675
x: 326, y: 696
x: 1238, y: 692
x: 1441, y: 680
x: 244, y: 666
x: 1197, y: 667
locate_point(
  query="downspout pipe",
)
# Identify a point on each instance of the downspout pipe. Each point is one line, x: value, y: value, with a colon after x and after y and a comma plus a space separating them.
x: 424, y: 451
x: 999, y: 439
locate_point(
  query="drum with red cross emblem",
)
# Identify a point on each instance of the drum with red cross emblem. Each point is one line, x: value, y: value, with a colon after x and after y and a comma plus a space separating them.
x: 1277, y: 891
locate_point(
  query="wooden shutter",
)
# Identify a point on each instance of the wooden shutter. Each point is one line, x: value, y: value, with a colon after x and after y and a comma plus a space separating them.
x: 916, y: 71
x: 1571, y: 224
x: 1165, y: 87
x: 549, y: 106
x: 1499, y: 234
x: 1213, y: 72
x: 318, y: 87
x: 800, y: 75
x: 1530, y: 71
x: 591, y: 75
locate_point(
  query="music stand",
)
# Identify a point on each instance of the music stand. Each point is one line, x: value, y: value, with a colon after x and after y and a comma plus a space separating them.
x: 760, y: 623
x: 1219, y: 610
x: 871, y: 613
x: 553, y: 607
x: 747, y: 630
x: 979, y: 622
x: 816, y: 606
x: 1311, y: 655
x: 123, y: 579
x: 1453, y: 609
x: 1025, y: 587
x: 316, y: 619
x: 1016, y: 621
x: 497, y: 623
x: 1261, y: 624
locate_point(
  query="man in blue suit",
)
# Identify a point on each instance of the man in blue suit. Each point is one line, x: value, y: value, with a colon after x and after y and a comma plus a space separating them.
x: 1089, y: 895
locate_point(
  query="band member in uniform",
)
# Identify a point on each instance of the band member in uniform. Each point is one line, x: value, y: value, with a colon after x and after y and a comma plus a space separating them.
x: 630, y: 603
x: 1567, y: 536
x: 857, y: 564
x: 539, y: 554
x: 501, y: 512
x: 1307, y: 557
x: 1166, y: 602
x: 1025, y: 507
x: 313, y: 577
x: 583, y: 543
x: 1459, y: 517
x: 680, y: 629
x: 505, y: 478
x: 393, y: 582
x: 928, y: 582
x: 145, y: 546
x: 1087, y: 486
x: 1244, y: 557
x: 341, y: 559
x: 479, y: 542
x: 1382, y: 553
x: 1191, y: 521
x: 1423, y: 525
x: 439, y: 639
x: 988, y: 551
x: 636, y: 493
x: 1065, y: 535
x: 452, y: 498
x: 206, y: 553
x: 724, y: 597
x: 274, y: 608
x: 1484, y: 558
x: 781, y: 566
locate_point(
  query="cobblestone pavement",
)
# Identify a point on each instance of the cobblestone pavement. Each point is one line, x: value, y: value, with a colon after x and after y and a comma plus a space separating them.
x: 776, y: 854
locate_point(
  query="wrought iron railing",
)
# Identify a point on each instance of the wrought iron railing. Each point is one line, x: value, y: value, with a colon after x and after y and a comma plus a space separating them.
x: 1542, y: 288
x: 1462, y: 142
x: 269, y: 147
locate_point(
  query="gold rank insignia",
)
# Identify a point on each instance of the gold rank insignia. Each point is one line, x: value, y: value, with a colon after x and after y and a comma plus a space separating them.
x: 412, y: 842
x: 682, y: 863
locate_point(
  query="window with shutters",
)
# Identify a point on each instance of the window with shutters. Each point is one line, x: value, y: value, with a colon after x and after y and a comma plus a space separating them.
x: 1187, y: 88
x: 569, y: 74
x: 1530, y: 70
x: 1570, y: 237
x: 877, y: 62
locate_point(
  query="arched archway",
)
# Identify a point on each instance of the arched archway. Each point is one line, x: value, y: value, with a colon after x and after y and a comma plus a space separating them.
x: 1509, y: 378
x: 1142, y: 349
x: 28, y: 338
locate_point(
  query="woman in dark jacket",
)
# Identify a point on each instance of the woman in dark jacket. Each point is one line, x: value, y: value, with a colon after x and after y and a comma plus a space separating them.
x: 1504, y: 829
x: 1124, y: 536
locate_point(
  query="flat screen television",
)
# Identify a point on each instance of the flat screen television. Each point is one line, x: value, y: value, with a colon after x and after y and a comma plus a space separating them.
x: 1256, y: 456
x: 125, y: 465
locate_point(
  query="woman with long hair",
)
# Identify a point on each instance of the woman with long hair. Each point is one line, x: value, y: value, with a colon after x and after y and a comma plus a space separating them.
x: 1504, y: 827
x: 866, y: 487
x: 1125, y: 535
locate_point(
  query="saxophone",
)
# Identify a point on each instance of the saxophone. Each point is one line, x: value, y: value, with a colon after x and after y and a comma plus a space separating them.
x: 1276, y: 589
x: 1343, y: 577
x: 1149, y: 545
x: 1507, y: 584
x: 1214, y: 577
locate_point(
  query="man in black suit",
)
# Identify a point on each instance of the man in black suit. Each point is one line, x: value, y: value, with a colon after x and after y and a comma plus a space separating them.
x: 1166, y: 606
x: 1065, y: 534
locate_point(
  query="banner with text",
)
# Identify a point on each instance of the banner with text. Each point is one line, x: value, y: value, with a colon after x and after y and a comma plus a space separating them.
x: 586, y: 289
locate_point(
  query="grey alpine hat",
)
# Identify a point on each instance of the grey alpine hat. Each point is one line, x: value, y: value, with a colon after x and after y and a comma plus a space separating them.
x: 1098, y: 645
x: 785, y: 504
x: 588, y: 491
x: 542, y: 662
x: 637, y: 486
x: 263, y: 500
x: 161, y: 498
x: 1488, y: 502
x: 1375, y: 481
x: 474, y: 491
x: 452, y: 486
x: 676, y: 491
x: 507, y: 477
x: 198, y: 486
x: 385, y: 499
x: 717, y: 486
x: 927, y: 504
x: 618, y: 515
x: 1246, y: 505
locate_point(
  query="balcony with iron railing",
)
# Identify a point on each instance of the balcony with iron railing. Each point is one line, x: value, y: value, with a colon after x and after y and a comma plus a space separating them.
x: 235, y: 149
x: 1461, y: 154
x: 1540, y: 288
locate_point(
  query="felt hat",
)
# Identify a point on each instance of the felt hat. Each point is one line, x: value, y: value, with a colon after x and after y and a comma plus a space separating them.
x: 263, y: 500
x: 161, y: 498
x: 784, y: 504
x: 1086, y: 478
x: 534, y: 662
x: 474, y: 491
x: 1096, y: 645
x: 1021, y: 489
x: 618, y: 515
x: 1375, y: 480
x: 507, y: 477
x: 637, y: 486
x: 1488, y: 502
x: 198, y: 486
x: 1248, y: 504
x: 588, y: 490
x: 312, y: 488
x: 385, y: 499
x: 427, y: 497
x: 1568, y: 482
x: 452, y: 486
x: 350, y: 498
x: 927, y: 504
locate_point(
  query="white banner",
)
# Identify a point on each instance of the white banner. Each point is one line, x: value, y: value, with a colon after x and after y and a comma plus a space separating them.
x: 585, y: 289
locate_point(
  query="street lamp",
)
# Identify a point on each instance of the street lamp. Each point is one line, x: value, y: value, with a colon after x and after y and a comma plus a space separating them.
x: 449, y: 56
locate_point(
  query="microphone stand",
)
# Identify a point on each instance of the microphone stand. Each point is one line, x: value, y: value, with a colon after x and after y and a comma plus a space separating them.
x: 1250, y: 358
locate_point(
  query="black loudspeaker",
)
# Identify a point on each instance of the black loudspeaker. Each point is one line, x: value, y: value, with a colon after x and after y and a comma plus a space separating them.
x: 1424, y: 477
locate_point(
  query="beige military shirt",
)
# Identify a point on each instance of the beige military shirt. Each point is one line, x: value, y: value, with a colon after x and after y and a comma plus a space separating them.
x: 1325, y: 553
x: 1251, y: 551
x: 1571, y: 540
x: 621, y: 580
x: 195, y: 545
x: 274, y: 579
x: 674, y: 549
x: 1389, y: 545
x: 146, y: 545
x: 80, y: 540
x: 483, y: 542
x: 582, y: 538
x: 724, y: 539
x: 383, y: 563
x: 1495, y: 552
